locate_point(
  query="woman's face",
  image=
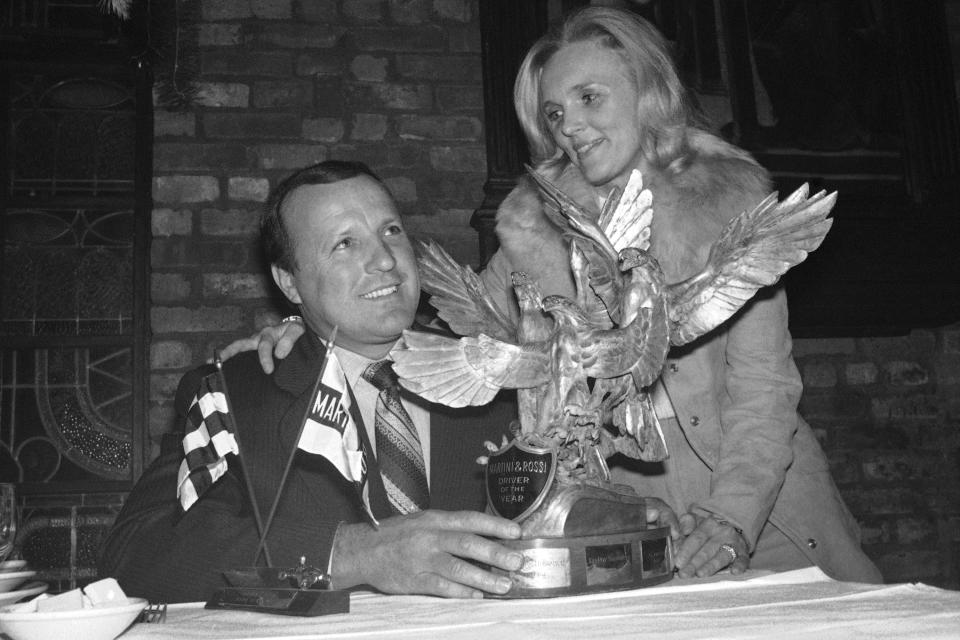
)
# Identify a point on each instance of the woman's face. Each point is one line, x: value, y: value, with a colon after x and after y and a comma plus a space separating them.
x: 589, y: 99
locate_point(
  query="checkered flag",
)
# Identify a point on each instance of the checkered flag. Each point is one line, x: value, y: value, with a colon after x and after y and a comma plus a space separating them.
x: 207, y: 442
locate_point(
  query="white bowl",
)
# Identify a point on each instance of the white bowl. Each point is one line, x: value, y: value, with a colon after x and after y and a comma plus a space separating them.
x: 13, y: 565
x: 10, y: 580
x: 100, y: 623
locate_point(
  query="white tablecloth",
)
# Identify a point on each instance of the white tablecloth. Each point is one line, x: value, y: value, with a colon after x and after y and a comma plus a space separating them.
x: 794, y: 604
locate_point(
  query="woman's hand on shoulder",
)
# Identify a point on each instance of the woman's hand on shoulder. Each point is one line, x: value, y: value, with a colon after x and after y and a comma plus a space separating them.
x: 272, y: 341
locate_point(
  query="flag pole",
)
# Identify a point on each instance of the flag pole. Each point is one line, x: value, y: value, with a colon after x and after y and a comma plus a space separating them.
x: 246, y: 474
x: 293, y: 449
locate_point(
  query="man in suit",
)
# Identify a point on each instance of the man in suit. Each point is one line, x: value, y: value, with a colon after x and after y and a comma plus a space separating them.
x: 338, y: 250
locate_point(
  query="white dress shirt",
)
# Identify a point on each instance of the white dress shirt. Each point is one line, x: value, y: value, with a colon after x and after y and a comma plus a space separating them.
x: 366, y: 394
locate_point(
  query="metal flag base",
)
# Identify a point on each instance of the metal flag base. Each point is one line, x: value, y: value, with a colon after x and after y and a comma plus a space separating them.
x: 272, y: 590
x: 590, y: 564
x: 288, y: 602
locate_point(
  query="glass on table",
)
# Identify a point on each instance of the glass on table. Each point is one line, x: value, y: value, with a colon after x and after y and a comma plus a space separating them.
x: 8, y: 519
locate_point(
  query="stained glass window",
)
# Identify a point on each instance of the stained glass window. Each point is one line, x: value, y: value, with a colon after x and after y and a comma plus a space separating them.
x: 72, y: 320
x: 65, y: 414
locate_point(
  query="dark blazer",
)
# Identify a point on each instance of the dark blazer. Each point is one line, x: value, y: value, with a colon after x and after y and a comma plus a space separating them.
x: 157, y: 551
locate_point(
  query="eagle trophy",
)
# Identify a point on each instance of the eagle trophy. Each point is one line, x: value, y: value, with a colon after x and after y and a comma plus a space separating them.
x: 584, y: 368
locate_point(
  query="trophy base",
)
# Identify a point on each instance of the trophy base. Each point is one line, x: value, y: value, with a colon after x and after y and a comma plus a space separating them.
x: 590, y: 564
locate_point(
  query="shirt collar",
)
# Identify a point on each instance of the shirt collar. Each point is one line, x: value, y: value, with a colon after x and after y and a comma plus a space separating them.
x: 353, y: 365
x: 299, y: 370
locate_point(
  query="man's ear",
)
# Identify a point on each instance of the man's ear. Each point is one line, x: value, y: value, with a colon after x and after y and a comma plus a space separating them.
x: 285, y: 281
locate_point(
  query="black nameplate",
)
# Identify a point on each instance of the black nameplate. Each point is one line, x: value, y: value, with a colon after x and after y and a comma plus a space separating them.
x: 288, y: 602
x: 518, y: 477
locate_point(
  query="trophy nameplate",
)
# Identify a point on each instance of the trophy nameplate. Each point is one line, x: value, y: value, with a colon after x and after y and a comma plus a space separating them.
x: 518, y: 477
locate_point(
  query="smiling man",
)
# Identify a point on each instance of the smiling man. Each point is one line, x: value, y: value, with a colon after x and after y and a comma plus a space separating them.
x: 337, y: 248
x: 360, y: 273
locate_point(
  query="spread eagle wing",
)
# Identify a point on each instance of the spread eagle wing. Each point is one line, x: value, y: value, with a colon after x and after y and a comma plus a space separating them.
x: 628, y: 223
x: 600, y: 258
x: 467, y: 371
x: 459, y: 296
x: 753, y: 251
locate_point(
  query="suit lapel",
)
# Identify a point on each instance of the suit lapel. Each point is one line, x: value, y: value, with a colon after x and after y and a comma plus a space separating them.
x: 296, y: 373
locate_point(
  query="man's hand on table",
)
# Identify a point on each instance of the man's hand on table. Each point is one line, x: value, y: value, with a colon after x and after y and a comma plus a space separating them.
x: 704, y: 550
x: 427, y: 553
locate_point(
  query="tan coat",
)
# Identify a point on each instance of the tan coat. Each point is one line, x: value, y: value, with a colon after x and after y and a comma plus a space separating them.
x: 735, y: 390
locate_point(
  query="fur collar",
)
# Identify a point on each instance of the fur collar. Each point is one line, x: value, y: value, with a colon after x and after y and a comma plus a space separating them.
x: 693, y: 198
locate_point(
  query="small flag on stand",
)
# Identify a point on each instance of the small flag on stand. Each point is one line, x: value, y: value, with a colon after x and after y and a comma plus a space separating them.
x: 329, y: 429
x: 207, y: 442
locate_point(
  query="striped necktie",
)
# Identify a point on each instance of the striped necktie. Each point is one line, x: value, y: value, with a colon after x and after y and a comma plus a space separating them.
x: 398, y: 444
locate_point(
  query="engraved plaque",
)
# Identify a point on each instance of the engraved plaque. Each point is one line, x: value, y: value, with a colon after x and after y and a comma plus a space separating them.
x: 657, y: 557
x: 609, y: 564
x: 518, y: 477
x: 544, y: 569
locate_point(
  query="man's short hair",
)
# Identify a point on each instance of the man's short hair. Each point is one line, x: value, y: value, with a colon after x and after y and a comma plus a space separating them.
x: 277, y: 243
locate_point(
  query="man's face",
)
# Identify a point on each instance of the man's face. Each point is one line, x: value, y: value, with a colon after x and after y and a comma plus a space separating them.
x: 354, y: 266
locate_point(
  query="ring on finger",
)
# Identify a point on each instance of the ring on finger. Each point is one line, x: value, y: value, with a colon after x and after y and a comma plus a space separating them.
x: 730, y: 550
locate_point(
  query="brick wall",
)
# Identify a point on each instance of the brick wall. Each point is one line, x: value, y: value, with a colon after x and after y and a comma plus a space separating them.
x: 285, y: 83
x: 397, y: 83
x: 887, y: 411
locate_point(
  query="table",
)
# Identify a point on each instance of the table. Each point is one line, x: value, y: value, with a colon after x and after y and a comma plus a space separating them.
x: 794, y: 604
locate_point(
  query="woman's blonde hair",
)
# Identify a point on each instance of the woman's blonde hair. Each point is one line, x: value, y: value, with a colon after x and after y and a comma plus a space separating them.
x: 662, y: 109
